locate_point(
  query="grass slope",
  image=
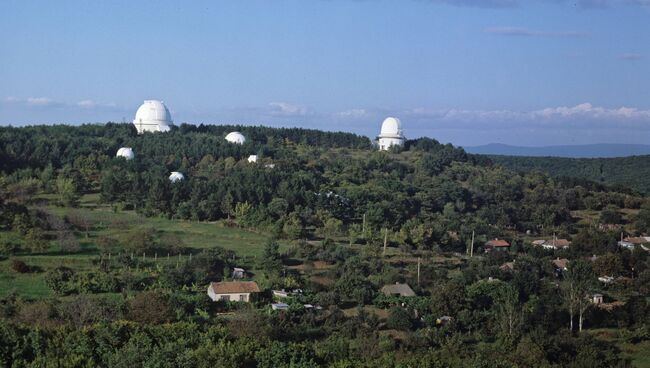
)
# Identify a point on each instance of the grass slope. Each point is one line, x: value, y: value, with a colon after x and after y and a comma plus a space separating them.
x: 117, y: 225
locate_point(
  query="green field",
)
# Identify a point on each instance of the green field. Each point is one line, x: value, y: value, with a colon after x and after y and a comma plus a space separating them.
x: 104, y: 221
x: 638, y: 353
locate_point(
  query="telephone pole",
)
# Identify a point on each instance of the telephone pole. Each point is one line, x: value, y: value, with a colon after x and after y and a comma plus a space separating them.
x: 471, y: 249
x: 418, y: 270
x: 385, y: 239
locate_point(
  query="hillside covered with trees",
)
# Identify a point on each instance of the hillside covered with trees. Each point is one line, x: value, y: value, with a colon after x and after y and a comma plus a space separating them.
x: 106, y: 262
x: 621, y: 172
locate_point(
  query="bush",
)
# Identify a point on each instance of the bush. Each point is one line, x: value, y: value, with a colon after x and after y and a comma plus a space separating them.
x: 399, y: 319
x: 20, y: 266
x: 58, y: 280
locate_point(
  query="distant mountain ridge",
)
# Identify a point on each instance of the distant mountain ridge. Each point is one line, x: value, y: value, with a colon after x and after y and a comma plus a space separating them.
x: 600, y: 150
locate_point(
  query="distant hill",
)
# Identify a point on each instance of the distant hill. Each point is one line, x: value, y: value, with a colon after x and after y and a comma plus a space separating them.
x: 631, y: 172
x: 575, y: 151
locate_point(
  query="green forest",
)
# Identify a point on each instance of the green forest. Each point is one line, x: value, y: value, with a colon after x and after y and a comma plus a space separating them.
x: 105, y: 262
x: 620, y: 172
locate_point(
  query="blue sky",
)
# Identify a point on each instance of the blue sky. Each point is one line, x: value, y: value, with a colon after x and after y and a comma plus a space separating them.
x: 537, y: 72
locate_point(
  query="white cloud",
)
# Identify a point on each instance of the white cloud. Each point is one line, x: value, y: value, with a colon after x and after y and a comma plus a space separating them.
x: 287, y: 109
x: 39, y: 101
x: 88, y: 104
x: 352, y: 114
x: 581, y: 116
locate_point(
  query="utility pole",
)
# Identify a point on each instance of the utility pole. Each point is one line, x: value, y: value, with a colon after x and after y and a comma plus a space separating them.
x: 418, y: 270
x: 471, y: 249
x: 385, y: 239
x: 363, y: 226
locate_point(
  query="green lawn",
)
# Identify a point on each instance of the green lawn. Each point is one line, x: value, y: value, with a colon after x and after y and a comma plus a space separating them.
x: 196, y: 235
x: 104, y: 221
x: 638, y: 353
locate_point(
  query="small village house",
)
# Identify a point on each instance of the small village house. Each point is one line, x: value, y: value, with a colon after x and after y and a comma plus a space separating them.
x: 236, y: 291
x: 560, y: 264
x: 552, y: 244
x: 397, y: 289
x: 597, y: 298
x: 238, y: 273
x: 280, y: 306
x: 497, y: 244
x: 507, y: 267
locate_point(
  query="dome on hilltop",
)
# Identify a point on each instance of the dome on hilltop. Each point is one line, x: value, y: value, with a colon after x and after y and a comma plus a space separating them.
x: 152, y: 116
x: 176, y: 176
x: 125, y: 152
x: 235, y: 137
x: 391, y: 128
x: 391, y: 134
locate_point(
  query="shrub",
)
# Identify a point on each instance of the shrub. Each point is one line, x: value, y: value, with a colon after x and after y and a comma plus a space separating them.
x: 20, y: 266
x: 399, y: 319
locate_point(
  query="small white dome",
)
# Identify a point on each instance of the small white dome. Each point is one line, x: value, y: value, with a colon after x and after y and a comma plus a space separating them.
x: 235, y: 137
x: 152, y: 116
x: 176, y: 176
x: 252, y: 158
x: 125, y: 152
x: 391, y: 128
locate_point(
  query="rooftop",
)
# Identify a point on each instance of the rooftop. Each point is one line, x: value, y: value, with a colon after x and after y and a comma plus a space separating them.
x: 234, y: 287
x: 399, y: 289
x: 497, y: 243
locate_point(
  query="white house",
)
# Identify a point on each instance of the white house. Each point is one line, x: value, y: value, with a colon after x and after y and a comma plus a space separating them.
x: 237, y: 291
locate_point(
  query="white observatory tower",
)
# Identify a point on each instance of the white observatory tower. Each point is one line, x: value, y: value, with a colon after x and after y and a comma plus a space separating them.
x: 391, y: 134
x: 152, y: 116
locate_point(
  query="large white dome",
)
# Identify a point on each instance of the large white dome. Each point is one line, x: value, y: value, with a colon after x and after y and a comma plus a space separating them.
x: 235, y: 137
x: 391, y: 128
x: 152, y: 116
x: 176, y: 176
x: 391, y: 134
x: 125, y: 152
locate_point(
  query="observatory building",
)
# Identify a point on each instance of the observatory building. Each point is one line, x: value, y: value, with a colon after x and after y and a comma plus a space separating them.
x: 176, y: 176
x: 125, y: 152
x: 391, y: 134
x: 235, y: 137
x: 152, y: 116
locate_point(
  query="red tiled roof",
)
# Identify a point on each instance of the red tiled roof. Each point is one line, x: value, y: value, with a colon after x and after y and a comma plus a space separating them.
x: 560, y: 263
x: 234, y: 287
x: 636, y: 240
x: 560, y: 243
x: 497, y: 243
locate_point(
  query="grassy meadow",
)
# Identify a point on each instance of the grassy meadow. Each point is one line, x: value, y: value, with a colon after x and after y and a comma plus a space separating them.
x: 104, y: 221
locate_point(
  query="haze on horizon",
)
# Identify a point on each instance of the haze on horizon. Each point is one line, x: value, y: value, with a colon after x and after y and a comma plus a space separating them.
x: 470, y: 72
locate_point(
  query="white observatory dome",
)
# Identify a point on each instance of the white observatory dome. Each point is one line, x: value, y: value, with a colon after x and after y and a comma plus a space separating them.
x: 176, y: 176
x: 235, y: 137
x: 391, y: 134
x: 125, y: 152
x: 391, y: 127
x: 152, y: 116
